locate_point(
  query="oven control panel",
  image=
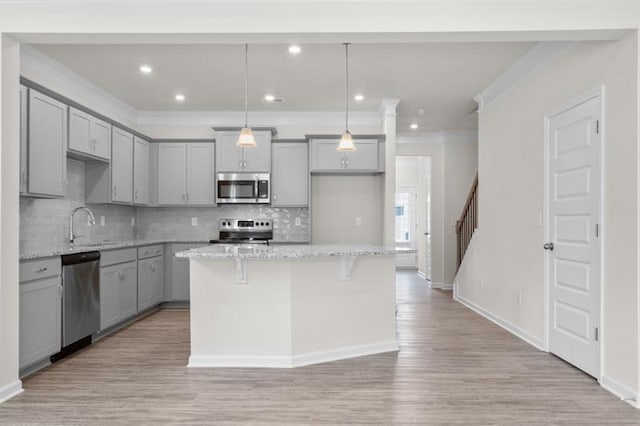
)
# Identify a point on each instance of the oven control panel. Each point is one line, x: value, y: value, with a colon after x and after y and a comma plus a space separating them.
x: 245, y: 225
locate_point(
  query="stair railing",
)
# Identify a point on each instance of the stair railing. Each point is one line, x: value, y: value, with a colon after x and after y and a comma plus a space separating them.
x: 468, y: 222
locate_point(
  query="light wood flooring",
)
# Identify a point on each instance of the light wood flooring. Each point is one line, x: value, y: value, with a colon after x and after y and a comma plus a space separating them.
x: 454, y: 367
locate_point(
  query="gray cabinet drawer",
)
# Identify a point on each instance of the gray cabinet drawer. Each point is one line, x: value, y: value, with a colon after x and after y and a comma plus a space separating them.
x: 40, y: 268
x: 113, y: 257
x: 150, y: 251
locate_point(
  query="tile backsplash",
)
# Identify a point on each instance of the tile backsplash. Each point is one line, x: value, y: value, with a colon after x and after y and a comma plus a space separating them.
x: 45, y: 222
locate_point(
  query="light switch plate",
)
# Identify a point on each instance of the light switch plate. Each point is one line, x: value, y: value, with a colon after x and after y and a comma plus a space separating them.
x: 298, y: 221
x: 133, y: 221
x: 358, y: 221
x: 102, y: 221
x: 194, y: 221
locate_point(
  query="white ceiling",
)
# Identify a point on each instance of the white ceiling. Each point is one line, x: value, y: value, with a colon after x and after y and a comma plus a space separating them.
x: 440, y: 78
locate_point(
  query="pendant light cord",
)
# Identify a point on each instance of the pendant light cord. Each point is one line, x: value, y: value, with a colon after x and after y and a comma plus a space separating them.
x: 346, y: 87
x: 246, y: 85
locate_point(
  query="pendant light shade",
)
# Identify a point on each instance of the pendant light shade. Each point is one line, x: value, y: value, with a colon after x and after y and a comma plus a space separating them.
x: 346, y: 141
x: 246, y: 139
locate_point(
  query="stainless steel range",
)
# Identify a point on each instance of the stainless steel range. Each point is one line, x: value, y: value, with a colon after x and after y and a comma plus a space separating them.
x: 244, y: 231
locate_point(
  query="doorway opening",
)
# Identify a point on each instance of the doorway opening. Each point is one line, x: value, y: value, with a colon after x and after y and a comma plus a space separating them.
x: 413, y: 214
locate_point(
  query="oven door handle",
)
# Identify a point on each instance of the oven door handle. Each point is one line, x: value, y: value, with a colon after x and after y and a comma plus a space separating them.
x: 255, y: 188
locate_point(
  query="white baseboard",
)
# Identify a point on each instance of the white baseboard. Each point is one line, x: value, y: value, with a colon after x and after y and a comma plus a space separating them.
x: 441, y: 286
x: 513, y: 329
x: 9, y: 391
x: 623, y: 392
x: 197, y: 361
x: 422, y: 275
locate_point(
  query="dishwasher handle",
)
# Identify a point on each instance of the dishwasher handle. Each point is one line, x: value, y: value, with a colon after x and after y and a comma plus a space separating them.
x: 76, y: 258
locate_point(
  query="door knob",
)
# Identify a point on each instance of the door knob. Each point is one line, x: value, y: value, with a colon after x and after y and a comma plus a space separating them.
x: 548, y: 246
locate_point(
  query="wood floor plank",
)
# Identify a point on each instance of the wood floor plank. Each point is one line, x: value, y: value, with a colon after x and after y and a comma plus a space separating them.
x: 454, y: 367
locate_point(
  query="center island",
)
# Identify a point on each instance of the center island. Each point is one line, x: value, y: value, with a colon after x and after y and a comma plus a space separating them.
x: 286, y: 306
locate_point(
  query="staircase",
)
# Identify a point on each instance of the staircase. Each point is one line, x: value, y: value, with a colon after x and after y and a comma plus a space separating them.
x: 468, y: 222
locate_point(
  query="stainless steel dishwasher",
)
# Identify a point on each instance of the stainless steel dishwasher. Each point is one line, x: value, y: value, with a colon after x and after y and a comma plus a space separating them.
x: 80, y: 301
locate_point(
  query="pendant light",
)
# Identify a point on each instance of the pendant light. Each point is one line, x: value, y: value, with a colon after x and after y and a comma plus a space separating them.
x: 346, y: 141
x: 246, y: 139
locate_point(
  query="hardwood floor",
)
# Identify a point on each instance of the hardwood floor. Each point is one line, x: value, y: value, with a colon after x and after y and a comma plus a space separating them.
x: 454, y: 367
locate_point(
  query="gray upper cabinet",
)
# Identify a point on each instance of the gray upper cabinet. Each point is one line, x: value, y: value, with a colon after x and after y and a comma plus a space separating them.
x: 325, y: 158
x: 140, y: 171
x: 89, y: 136
x: 46, y: 146
x: 24, y: 110
x: 121, y: 166
x: 186, y: 174
x: 231, y: 159
x: 290, y: 177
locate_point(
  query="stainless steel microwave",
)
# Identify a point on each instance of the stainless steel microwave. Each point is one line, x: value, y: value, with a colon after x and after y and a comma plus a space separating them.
x: 243, y: 188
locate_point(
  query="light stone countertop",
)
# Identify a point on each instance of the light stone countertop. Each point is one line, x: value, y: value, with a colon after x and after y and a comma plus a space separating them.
x: 285, y: 252
x: 29, y: 252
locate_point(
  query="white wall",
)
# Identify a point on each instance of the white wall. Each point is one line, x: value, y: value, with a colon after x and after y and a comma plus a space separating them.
x: 336, y: 202
x: 511, y: 141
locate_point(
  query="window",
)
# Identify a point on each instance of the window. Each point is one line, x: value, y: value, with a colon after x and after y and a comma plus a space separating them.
x: 403, y: 228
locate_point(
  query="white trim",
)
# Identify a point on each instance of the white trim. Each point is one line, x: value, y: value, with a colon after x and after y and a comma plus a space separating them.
x: 438, y: 137
x: 10, y: 390
x: 422, y: 275
x: 537, y: 57
x: 243, y: 361
x: 465, y: 258
x: 34, y: 62
x: 258, y: 118
x: 572, y: 103
x: 623, y: 392
x: 513, y: 329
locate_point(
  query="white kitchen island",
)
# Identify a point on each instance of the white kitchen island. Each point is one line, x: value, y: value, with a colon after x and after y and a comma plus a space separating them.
x: 285, y: 306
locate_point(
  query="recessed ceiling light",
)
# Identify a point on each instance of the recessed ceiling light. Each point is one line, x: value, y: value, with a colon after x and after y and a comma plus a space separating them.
x: 269, y: 98
x: 180, y: 97
x: 358, y: 97
x: 414, y: 126
x: 294, y: 49
x: 145, y: 69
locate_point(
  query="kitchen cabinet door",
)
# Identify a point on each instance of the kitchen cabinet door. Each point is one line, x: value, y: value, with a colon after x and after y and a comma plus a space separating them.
x: 128, y: 290
x: 324, y: 156
x: 47, y: 142
x: 121, y: 167
x: 230, y: 158
x: 365, y: 158
x: 40, y: 319
x: 172, y: 174
x: 178, y: 273
x: 149, y: 282
x: 200, y: 174
x: 24, y: 103
x: 109, y: 299
x: 290, y: 177
x: 140, y: 171
x: 89, y: 136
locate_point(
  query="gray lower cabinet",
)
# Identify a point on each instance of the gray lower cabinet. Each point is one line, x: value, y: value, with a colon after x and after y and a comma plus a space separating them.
x: 290, y: 174
x: 40, y: 310
x: 118, y: 287
x: 178, y: 272
x: 149, y: 282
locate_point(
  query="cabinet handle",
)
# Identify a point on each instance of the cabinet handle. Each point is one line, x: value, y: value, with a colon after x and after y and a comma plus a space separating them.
x: 115, y: 190
x: 39, y: 271
x: 136, y: 194
x: 275, y: 197
x: 187, y: 197
x: 153, y: 267
x: 240, y: 164
x: 23, y: 178
x: 60, y: 290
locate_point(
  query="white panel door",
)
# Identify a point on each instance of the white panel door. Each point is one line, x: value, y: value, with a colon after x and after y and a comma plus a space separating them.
x: 200, y: 174
x: 140, y: 171
x: 122, y: 166
x: 573, y: 155
x: 172, y: 174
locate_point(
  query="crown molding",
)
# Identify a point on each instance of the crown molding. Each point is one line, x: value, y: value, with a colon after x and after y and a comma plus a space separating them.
x: 537, y: 57
x: 256, y: 118
x: 388, y: 107
x: 44, y: 70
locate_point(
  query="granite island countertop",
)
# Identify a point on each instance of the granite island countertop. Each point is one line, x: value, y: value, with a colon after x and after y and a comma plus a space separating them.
x: 285, y: 251
x: 35, y: 251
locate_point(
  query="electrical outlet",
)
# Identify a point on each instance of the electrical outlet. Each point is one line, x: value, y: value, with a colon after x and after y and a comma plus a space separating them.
x: 298, y: 221
x: 358, y: 221
x: 194, y: 221
x: 519, y: 298
x: 133, y: 221
x: 102, y: 221
x: 481, y: 283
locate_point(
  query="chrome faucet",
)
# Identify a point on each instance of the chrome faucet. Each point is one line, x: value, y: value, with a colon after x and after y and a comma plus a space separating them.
x: 92, y: 221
